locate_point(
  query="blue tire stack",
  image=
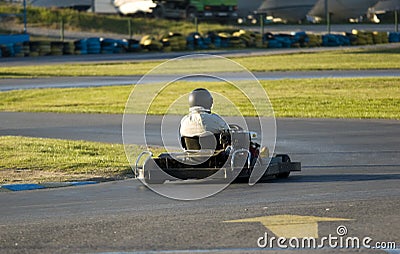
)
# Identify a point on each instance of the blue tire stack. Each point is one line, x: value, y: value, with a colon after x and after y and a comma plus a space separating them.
x: 7, y: 50
x: 394, y: 37
x: 301, y: 38
x: 195, y: 41
x: 121, y: 46
x: 81, y: 47
x: 107, y: 46
x: 133, y: 45
x: 334, y: 40
x: 93, y: 45
x: 18, y: 50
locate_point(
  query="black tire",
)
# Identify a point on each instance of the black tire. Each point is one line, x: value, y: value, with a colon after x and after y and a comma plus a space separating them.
x: 285, y: 158
x: 283, y: 175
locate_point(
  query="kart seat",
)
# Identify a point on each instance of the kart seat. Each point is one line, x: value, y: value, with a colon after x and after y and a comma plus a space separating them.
x: 218, y: 141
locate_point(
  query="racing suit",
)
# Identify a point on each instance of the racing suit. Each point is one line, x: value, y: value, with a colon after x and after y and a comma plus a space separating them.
x: 199, y: 121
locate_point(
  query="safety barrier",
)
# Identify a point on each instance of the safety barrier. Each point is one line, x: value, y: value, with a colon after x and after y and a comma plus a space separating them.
x: 234, y: 38
x: 394, y: 37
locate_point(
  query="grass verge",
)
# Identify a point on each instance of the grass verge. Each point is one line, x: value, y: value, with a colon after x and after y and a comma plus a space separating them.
x: 331, y: 98
x: 354, y: 59
x: 38, y: 160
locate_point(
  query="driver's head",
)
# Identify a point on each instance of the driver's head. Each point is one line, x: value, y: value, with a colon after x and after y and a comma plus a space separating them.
x: 201, y: 97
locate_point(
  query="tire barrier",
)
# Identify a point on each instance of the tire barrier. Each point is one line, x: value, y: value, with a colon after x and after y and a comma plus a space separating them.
x: 335, y: 40
x: 150, y: 43
x: 279, y: 40
x: 233, y: 38
x: 68, y: 48
x: 81, y: 47
x: 394, y: 37
x: 7, y: 50
x: 196, y: 41
x: 173, y: 42
x: 57, y: 48
x: 133, y: 45
x: 93, y: 45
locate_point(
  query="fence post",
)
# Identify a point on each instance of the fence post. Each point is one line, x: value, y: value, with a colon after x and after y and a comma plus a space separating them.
x: 25, y: 19
x: 262, y: 28
x: 130, y: 30
x: 328, y: 17
x: 62, y: 29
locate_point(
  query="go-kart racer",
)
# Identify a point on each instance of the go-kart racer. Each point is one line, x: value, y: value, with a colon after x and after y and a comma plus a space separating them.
x: 201, y: 122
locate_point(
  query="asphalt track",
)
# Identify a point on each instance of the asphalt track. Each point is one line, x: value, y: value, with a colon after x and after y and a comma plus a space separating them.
x: 70, y: 82
x: 350, y: 171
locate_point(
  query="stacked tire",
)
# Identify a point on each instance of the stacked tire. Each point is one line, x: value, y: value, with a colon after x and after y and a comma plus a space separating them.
x: 380, y: 37
x: 279, y: 40
x: 44, y: 48
x: 68, y: 48
x: 34, y: 48
x: 120, y: 46
x: 314, y: 40
x: 196, y: 41
x: 251, y: 39
x: 80, y: 47
x: 335, y: 40
x: 93, y: 45
x: 7, y: 50
x: 224, y: 37
x: 173, y: 42
x: 301, y: 39
x: 26, y: 48
x: 133, y: 45
x: 19, y: 50
x: 362, y: 38
x: 107, y: 46
x: 150, y: 43
x: 394, y: 37
x: 57, y: 48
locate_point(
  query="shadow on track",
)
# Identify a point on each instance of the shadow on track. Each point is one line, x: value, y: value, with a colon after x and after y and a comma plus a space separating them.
x: 336, y: 178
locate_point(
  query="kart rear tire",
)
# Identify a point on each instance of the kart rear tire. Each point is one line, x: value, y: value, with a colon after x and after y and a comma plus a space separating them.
x: 283, y: 175
x: 285, y: 158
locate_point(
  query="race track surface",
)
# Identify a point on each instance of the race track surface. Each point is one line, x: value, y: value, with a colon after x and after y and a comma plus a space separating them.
x: 71, y: 82
x: 350, y: 171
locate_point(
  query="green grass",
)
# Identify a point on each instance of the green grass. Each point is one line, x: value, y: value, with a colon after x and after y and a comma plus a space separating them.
x: 354, y: 59
x: 332, y: 98
x: 85, y: 21
x: 42, y: 160
x: 58, y: 70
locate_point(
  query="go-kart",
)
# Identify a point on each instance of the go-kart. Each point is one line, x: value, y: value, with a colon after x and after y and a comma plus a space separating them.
x: 232, y: 155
